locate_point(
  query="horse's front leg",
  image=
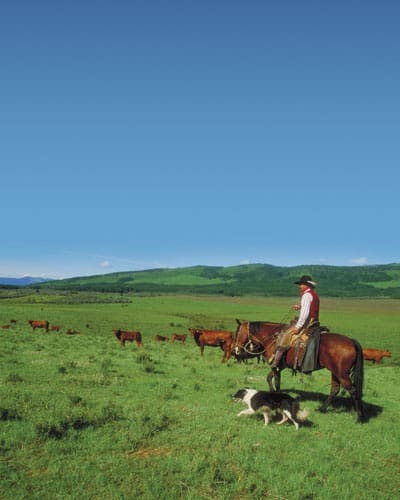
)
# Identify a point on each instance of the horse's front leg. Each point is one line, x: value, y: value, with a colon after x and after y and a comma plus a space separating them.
x: 274, y: 374
x: 335, y: 387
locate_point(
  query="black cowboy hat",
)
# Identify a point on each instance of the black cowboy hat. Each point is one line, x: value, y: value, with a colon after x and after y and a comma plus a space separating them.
x: 305, y: 280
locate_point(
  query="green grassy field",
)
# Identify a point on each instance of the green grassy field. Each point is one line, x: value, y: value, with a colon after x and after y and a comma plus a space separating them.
x: 82, y: 417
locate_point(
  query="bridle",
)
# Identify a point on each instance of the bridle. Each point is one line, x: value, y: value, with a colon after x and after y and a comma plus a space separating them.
x: 252, y: 338
x: 248, y: 342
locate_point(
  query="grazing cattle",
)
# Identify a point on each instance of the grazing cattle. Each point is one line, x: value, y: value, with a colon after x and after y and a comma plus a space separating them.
x: 376, y: 355
x: 124, y: 336
x: 70, y: 331
x: 39, y: 324
x: 161, y: 338
x: 213, y: 338
x: 5, y: 327
x: 179, y: 337
x: 55, y: 328
x: 13, y: 321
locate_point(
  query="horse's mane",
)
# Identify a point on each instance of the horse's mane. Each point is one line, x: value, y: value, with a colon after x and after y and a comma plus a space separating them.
x: 255, y: 326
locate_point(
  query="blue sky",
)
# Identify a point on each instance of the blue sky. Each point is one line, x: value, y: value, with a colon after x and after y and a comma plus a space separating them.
x: 142, y: 134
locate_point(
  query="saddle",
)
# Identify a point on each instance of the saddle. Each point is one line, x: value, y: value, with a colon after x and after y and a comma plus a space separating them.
x: 306, y: 350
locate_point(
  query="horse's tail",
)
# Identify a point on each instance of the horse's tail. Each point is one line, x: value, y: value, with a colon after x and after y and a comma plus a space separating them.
x: 358, y: 373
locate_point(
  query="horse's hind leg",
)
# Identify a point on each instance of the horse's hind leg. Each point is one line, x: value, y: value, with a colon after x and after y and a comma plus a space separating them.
x: 356, y: 402
x: 335, y: 387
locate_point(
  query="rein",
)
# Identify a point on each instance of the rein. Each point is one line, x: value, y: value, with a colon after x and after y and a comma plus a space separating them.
x: 251, y: 337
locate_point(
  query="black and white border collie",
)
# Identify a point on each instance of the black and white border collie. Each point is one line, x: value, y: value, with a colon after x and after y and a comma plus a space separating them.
x: 267, y: 402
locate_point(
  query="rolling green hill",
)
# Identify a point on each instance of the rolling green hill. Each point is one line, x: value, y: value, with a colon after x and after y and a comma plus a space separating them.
x: 251, y: 279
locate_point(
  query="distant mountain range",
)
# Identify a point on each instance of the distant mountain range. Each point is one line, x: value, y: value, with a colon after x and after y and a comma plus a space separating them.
x: 25, y: 281
x: 249, y: 279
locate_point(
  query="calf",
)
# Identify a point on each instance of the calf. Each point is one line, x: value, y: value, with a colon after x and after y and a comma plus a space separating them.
x: 161, y: 338
x: 70, y: 331
x: 55, y: 328
x: 177, y: 336
x: 376, y: 355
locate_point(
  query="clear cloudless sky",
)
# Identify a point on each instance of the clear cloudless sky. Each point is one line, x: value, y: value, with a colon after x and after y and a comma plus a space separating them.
x: 167, y: 133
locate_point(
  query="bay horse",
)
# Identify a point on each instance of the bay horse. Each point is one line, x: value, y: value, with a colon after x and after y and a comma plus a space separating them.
x: 339, y: 354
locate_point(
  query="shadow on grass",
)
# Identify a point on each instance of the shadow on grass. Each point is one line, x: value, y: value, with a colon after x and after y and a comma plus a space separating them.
x: 340, y: 404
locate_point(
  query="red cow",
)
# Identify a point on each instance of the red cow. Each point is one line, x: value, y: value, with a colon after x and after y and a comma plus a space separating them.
x: 124, y: 336
x: 213, y: 338
x: 177, y: 336
x: 161, y: 338
x: 39, y: 324
x: 376, y: 355
x: 55, y: 328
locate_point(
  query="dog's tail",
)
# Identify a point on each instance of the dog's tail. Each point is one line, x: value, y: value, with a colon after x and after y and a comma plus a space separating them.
x: 300, y: 415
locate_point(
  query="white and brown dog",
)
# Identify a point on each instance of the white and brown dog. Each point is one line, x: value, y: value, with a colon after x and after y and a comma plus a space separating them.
x: 267, y: 402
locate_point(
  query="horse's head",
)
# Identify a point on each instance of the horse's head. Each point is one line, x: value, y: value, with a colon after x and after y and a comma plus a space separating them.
x: 241, y: 335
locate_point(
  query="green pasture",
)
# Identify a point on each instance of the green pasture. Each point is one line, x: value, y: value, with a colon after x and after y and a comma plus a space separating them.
x: 82, y: 417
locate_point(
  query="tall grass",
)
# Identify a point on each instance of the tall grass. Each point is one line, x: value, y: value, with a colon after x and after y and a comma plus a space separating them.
x: 80, y: 416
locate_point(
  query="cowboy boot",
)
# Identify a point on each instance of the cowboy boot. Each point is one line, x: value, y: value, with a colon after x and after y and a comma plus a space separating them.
x: 277, y: 358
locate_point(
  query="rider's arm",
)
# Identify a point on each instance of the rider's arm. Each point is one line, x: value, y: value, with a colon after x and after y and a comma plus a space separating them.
x: 305, y: 304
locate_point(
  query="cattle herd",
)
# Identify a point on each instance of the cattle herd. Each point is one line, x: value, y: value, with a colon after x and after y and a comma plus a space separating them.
x: 223, y: 339
x: 43, y: 325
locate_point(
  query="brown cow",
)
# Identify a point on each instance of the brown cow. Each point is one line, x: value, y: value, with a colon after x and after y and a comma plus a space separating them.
x: 39, y: 324
x: 161, y: 338
x: 213, y: 338
x: 124, y: 336
x: 5, y: 327
x: 55, y: 328
x: 376, y: 355
x: 180, y: 337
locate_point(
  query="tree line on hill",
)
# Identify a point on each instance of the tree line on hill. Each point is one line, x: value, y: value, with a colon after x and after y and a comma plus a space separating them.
x: 250, y: 279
